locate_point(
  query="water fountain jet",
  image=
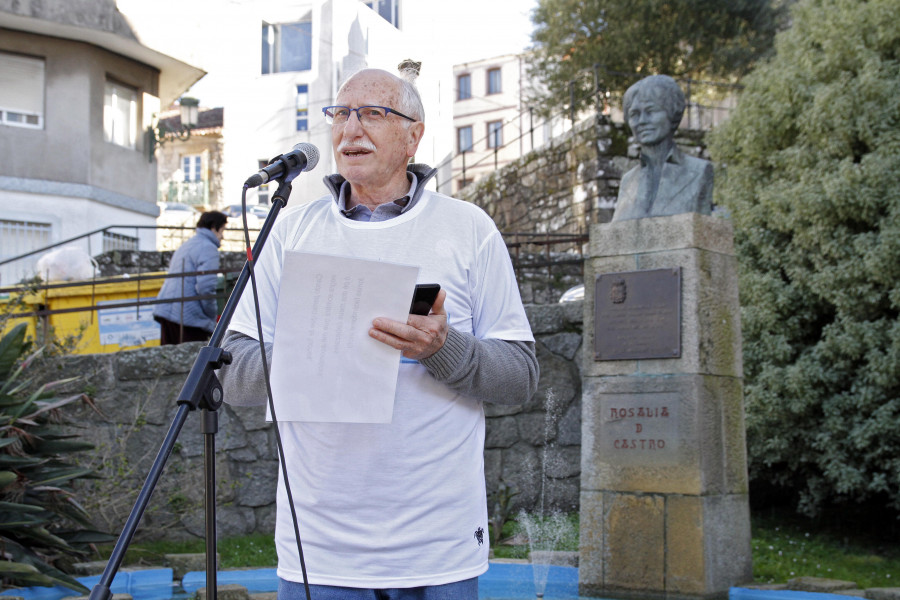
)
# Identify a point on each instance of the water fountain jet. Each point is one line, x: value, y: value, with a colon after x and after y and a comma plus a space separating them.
x: 548, y: 530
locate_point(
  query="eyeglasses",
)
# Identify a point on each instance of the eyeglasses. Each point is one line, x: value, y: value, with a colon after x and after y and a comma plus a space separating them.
x: 367, y: 115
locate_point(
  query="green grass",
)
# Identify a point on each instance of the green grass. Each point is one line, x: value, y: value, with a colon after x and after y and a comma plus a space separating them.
x: 783, y: 548
x: 247, y: 551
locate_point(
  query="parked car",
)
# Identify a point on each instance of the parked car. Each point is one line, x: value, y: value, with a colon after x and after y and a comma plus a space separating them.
x: 175, y: 213
x: 257, y: 210
x: 260, y: 210
x: 573, y: 294
x: 255, y: 216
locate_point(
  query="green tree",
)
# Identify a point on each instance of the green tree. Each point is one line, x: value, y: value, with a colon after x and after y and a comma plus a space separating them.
x: 718, y: 39
x: 811, y: 175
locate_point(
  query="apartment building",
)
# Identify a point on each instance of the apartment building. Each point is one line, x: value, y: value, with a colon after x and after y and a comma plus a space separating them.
x: 77, y: 90
x: 492, y: 122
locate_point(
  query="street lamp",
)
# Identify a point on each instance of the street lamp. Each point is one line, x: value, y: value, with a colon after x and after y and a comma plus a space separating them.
x: 189, y: 109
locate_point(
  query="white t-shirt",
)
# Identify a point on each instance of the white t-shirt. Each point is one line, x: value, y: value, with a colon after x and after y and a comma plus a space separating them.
x: 400, y: 504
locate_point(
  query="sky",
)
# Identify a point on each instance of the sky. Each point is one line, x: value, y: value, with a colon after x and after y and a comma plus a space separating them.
x: 489, y: 27
x: 474, y: 29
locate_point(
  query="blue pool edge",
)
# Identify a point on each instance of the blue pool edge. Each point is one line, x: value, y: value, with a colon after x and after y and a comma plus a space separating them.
x: 502, y: 581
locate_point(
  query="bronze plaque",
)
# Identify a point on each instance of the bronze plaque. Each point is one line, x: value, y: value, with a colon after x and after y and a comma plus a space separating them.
x: 637, y: 315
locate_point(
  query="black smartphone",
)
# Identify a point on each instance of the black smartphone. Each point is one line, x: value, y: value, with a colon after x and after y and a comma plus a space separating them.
x: 423, y: 298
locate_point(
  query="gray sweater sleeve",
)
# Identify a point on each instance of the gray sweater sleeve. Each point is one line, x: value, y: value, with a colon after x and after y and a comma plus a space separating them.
x: 243, y: 381
x: 492, y: 370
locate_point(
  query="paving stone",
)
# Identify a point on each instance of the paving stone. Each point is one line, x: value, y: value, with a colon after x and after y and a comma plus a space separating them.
x: 114, y: 597
x: 95, y: 567
x: 185, y: 563
x: 820, y: 584
x: 769, y: 587
x: 891, y: 593
x: 231, y: 591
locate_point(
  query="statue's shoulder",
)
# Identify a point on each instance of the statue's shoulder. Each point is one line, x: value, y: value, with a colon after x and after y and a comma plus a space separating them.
x: 698, y: 165
x: 631, y: 174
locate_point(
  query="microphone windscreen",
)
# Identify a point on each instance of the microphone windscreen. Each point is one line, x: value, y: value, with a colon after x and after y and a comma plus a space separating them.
x: 310, y: 152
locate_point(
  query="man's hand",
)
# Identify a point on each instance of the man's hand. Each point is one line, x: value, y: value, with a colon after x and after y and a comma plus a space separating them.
x: 419, y: 337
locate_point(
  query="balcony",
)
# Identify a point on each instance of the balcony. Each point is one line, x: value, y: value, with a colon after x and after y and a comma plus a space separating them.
x: 193, y: 193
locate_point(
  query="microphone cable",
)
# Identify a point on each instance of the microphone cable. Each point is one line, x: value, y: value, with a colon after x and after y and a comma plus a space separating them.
x: 271, y: 403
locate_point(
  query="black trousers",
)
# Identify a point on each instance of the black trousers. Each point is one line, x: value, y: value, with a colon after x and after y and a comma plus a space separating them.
x: 176, y: 333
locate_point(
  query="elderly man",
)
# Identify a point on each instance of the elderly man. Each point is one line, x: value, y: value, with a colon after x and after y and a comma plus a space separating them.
x: 395, y: 510
x: 667, y: 182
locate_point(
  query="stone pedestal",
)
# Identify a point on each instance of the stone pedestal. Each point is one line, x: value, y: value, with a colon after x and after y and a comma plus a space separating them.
x: 664, y: 503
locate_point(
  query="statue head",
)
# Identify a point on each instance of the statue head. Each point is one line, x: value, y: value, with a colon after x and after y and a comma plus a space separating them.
x: 658, y: 90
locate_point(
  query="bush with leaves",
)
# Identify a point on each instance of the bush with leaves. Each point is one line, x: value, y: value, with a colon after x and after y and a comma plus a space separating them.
x: 42, y: 526
x: 810, y: 171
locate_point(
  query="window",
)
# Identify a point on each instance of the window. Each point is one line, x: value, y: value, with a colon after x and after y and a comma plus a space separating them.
x: 262, y: 192
x: 19, y: 237
x: 464, y: 87
x: 21, y: 91
x: 192, y: 165
x: 464, y: 138
x: 495, y: 134
x: 120, y: 114
x: 388, y: 9
x: 286, y: 47
x: 494, y: 85
x: 462, y: 183
x: 302, y: 107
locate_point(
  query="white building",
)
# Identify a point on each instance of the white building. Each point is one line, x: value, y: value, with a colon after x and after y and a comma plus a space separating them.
x: 285, y: 60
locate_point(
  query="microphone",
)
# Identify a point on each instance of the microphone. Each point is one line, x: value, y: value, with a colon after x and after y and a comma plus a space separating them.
x: 303, y: 157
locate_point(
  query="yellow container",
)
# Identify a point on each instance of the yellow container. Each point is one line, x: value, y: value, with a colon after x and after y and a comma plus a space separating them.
x: 110, y: 326
x: 14, y: 304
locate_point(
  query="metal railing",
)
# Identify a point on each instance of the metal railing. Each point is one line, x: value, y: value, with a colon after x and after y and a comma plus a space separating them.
x: 97, y: 284
x: 36, y: 301
x: 545, y: 250
x: 542, y: 257
x: 115, y: 237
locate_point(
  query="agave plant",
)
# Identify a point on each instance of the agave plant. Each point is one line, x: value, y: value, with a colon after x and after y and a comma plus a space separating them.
x: 41, y: 523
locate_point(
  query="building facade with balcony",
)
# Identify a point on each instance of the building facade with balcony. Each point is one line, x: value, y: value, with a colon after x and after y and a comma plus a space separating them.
x: 190, y: 169
x: 77, y: 90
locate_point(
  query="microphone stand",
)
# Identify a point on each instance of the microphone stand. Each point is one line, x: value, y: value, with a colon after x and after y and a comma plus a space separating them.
x: 203, y: 390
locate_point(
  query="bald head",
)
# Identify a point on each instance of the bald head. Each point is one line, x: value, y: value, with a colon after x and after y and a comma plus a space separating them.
x: 408, y: 100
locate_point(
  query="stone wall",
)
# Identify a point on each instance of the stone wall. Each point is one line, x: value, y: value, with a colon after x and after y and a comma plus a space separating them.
x: 131, y: 407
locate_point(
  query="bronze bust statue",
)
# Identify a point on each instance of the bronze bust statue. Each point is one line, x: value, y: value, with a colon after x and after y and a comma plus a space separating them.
x: 667, y: 182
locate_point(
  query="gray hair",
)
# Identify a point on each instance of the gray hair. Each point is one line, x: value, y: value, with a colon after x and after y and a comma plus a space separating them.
x: 662, y: 87
x: 410, y: 100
